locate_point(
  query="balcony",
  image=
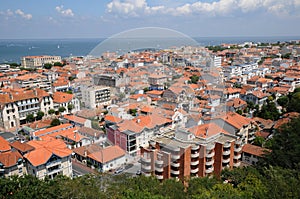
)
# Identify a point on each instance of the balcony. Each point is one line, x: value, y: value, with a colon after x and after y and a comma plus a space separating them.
x: 146, y: 168
x: 238, y: 149
x: 53, y: 163
x: 175, y: 164
x: 195, y: 147
x: 226, y: 161
x: 175, y: 157
x: 159, y: 177
x: 194, y: 170
x: 209, y: 170
x: 251, y: 138
x: 210, y: 155
x: 146, y: 160
x: 177, y: 149
x: 227, y: 152
x: 210, y: 147
x: 159, y: 163
x: 237, y: 164
x: 209, y: 162
x: 227, y: 145
x: 239, y: 141
x: 238, y: 156
x: 194, y: 155
x: 147, y: 174
x: 193, y: 163
x: 159, y: 169
x: 175, y: 172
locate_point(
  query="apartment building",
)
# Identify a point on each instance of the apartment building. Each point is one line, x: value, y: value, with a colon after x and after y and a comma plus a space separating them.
x: 66, y: 100
x: 48, y: 159
x: 237, y: 125
x: 204, y: 150
x: 130, y: 135
x: 95, y: 96
x: 157, y: 81
x: 11, y: 164
x: 38, y: 61
x: 33, y: 81
x: 15, y: 105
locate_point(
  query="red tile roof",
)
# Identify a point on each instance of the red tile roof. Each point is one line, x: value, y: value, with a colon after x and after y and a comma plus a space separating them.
x: 107, y: 154
x: 10, y: 158
x: 4, y: 145
x: 255, y: 150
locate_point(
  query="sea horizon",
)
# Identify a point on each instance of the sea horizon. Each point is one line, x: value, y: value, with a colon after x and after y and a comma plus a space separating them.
x: 11, y: 50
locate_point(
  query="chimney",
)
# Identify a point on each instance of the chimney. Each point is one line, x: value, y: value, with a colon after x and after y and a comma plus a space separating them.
x: 206, y: 131
x: 138, y: 121
x: 85, y: 153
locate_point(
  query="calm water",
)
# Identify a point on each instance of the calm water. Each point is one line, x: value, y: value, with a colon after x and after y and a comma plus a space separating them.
x: 13, y: 50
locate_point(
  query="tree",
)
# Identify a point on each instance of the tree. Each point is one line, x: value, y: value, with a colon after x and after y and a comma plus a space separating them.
x: 268, y: 111
x: 283, y: 101
x: 30, y: 118
x: 133, y: 112
x: 294, y: 104
x: 259, y: 141
x: 51, y: 111
x: 194, y: 79
x: 55, y: 122
x: 70, y: 107
x: 58, y: 64
x: 61, y: 109
x: 48, y: 66
x: 285, y: 149
x: 40, y: 115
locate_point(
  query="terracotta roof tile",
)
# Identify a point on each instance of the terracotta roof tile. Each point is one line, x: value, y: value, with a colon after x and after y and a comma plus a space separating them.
x: 10, y: 158
x: 107, y: 154
x: 255, y: 150
x: 4, y: 145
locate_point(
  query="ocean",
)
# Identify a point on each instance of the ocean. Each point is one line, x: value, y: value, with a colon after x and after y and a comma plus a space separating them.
x: 11, y: 50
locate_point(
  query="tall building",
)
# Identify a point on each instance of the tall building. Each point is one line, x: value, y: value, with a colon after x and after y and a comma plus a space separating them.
x: 203, y: 150
x: 38, y: 61
x: 95, y: 96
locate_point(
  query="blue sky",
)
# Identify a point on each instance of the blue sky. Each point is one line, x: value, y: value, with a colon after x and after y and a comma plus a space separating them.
x: 103, y: 18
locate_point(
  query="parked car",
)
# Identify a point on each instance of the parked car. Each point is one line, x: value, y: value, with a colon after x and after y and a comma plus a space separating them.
x: 138, y: 172
x: 119, y: 170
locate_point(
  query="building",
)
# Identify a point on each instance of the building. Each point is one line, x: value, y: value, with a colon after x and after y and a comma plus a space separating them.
x: 251, y: 153
x: 110, y: 80
x: 38, y: 61
x: 130, y: 135
x: 15, y: 105
x: 157, y: 81
x: 68, y: 101
x: 96, y: 96
x: 11, y: 164
x: 48, y: 159
x: 33, y: 81
x: 103, y: 159
x: 204, y: 150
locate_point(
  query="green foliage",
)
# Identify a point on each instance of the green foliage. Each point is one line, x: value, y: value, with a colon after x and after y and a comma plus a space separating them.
x: 286, y: 56
x: 30, y: 118
x: 70, y: 107
x: 239, y: 112
x: 133, y: 112
x: 215, y: 48
x: 259, y: 141
x: 194, y: 79
x: 286, y: 147
x: 268, y: 111
x: 55, y: 122
x: 57, y: 64
x: 40, y: 115
x: 61, y: 109
x: 48, y: 66
x: 283, y: 101
x: 51, y: 111
x: 294, y: 104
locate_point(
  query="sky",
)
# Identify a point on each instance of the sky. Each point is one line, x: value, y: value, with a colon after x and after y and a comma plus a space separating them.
x: 20, y: 19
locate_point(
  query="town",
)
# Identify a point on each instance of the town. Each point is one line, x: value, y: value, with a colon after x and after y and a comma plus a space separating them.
x: 182, y: 112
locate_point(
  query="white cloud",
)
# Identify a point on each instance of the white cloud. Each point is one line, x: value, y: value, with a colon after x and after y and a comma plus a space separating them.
x: 9, y: 13
x: 23, y: 15
x: 66, y: 13
x: 213, y: 8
